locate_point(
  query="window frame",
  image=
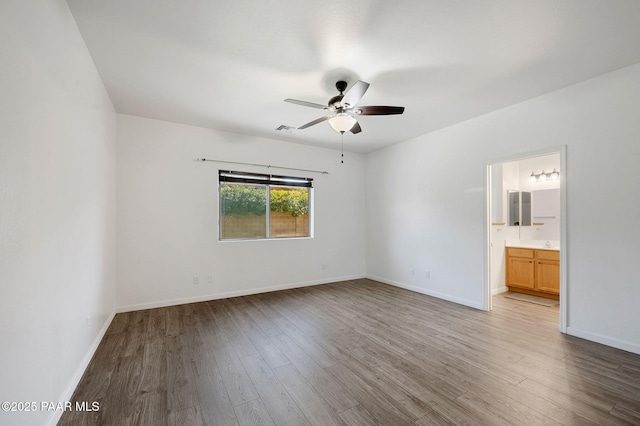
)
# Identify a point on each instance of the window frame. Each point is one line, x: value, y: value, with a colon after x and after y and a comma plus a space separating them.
x: 227, y: 177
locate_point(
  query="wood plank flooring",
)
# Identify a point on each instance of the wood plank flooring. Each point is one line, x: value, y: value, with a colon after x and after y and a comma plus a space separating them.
x: 353, y: 353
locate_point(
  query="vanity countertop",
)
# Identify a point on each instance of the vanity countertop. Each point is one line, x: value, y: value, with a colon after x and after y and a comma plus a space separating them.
x: 533, y: 245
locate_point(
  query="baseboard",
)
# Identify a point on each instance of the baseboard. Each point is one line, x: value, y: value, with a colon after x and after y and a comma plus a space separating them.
x: 615, y: 343
x: 499, y: 290
x: 215, y: 296
x: 75, y: 380
x: 439, y: 295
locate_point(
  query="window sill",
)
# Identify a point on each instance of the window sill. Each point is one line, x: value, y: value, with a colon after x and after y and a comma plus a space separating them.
x: 242, y: 240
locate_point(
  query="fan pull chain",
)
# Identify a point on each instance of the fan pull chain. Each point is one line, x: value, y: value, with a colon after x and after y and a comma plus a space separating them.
x: 342, y: 137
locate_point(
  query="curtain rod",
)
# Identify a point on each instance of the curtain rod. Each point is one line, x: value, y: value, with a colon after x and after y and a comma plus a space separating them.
x: 269, y: 166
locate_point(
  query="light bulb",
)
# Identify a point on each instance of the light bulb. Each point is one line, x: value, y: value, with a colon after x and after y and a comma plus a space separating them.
x: 554, y: 175
x: 532, y: 178
x: 543, y: 176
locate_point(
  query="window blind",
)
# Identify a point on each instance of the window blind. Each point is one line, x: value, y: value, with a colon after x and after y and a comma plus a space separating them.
x: 260, y: 179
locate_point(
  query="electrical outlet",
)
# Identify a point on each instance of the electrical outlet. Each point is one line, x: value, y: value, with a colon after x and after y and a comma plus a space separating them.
x: 427, y: 274
x: 324, y: 266
x: 88, y: 322
x: 411, y: 271
x: 210, y: 278
x: 196, y: 280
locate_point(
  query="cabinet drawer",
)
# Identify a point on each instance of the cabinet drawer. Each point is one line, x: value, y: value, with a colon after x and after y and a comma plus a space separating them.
x: 520, y: 252
x: 548, y: 254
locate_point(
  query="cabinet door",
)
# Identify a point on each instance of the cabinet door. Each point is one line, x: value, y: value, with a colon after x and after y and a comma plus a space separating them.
x: 520, y: 272
x: 548, y: 276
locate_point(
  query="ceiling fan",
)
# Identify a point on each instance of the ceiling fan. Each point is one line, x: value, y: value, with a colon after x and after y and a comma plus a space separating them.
x: 342, y: 108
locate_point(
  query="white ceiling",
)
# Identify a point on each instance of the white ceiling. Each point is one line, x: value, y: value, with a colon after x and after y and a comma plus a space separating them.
x: 230, y: 64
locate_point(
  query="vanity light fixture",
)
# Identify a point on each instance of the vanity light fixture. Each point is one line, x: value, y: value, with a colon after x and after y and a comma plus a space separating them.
x: 542, y: 177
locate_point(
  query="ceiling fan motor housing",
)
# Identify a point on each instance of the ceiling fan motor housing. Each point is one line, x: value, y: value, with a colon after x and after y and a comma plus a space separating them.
x: 335, y: 101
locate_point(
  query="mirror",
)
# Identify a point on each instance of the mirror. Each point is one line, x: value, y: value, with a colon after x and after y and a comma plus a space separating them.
x: 519, y: 208
x: 525, y: 209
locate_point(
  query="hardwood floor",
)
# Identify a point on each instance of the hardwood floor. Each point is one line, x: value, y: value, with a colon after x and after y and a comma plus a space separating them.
x: 353, y: 353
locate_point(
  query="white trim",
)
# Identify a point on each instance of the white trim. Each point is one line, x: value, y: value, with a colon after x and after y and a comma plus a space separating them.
x: 487, y: 302
x: 564, y: 246
x: 526, y: 155
x: 215, y: 296
x: 604, y: 340
x: 465, y: 302
x: 499, y: 290
x: 82, y: 367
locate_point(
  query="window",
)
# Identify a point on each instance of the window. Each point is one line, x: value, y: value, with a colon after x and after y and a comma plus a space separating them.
x: 255, y: 206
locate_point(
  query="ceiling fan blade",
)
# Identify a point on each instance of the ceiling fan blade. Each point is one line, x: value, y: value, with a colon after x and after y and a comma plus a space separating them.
x: 353, y: 95
x: 356, y: 128
x: 378, y: 110
x: 314, y: 122
x: 307, y: 104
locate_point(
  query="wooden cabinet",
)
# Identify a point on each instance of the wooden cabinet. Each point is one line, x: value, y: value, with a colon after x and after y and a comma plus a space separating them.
x: 520, y: 268
x: 533, y: 271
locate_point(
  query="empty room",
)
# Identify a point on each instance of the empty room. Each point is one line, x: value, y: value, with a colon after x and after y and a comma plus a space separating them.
x: 319, y: 213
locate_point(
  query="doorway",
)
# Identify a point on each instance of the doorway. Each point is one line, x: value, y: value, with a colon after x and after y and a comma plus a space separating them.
x: 526, y: 216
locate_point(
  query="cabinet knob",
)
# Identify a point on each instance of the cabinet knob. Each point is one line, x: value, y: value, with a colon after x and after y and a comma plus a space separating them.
x: 531, y: 261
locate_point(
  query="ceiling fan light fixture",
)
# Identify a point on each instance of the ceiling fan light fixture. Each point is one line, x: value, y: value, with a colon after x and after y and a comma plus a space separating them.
x: 342, y: 122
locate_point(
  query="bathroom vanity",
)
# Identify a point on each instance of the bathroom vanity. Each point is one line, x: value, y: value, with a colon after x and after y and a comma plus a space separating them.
x: 533, y: 270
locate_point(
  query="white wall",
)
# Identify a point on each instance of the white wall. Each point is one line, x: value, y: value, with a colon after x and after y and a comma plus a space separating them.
x: 168, y: 212
x: 545, y: 208
x: 500, y: 234
x: 509, y: 180
x: 57, y: 198
x: 435, y: 218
